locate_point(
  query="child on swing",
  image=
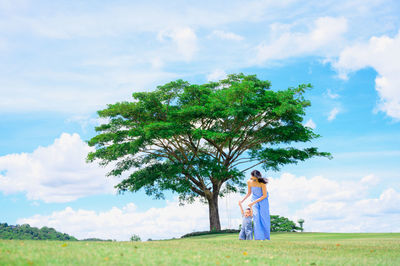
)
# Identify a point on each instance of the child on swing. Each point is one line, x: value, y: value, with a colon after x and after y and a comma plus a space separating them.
x: 246, y: 232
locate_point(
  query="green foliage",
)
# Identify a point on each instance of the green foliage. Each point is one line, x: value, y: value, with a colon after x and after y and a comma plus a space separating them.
x: 135, y: 238
x: 25, y: 231
x: 202, y: 233
x: 96, y: 239
x: 191, y: 139
x: 282, y: 224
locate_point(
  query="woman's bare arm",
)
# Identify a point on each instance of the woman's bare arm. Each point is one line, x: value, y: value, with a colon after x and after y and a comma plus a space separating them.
x: 248, y: 192
x: 241, y: 208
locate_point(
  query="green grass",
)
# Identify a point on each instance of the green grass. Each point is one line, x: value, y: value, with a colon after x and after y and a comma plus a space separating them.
x: 225, y: 249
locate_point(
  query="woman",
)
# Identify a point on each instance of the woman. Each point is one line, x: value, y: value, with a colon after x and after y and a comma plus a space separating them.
x: 257, y: 187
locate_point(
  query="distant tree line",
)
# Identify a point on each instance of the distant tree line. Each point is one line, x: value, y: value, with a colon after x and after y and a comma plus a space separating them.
x: 224, y: 231
x: 25, y: 232
x: 96, y: 239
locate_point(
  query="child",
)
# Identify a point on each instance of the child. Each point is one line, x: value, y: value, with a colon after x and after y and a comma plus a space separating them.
x: 246, y: 232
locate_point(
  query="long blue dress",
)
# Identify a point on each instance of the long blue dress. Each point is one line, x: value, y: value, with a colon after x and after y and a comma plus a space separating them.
x: 262, y: 221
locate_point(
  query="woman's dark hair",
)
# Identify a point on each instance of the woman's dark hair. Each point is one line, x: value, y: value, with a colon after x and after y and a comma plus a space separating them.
x: 257, y: 174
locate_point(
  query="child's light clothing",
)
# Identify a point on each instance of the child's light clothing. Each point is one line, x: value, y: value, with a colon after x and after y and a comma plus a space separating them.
x: 246, y: 233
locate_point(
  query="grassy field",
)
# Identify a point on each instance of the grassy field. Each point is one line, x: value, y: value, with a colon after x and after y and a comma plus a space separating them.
x: 284, y: 249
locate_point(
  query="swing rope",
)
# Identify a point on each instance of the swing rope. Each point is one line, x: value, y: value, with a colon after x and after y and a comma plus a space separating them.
x: 228, y: 210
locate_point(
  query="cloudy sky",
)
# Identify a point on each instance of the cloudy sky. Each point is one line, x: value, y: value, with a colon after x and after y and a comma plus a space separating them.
x: 61, y: 61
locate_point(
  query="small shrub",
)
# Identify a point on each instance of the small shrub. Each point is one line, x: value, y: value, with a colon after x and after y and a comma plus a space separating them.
x: 135, y: 238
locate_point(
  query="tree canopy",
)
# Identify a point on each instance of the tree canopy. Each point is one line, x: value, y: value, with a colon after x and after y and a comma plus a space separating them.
x: 25, y: 231
x: 198, y: 140
x: 283, y: 224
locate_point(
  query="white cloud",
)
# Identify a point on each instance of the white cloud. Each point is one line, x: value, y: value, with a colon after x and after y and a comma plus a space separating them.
x: 382, y: 54
x: 105, y: 19
x: 84, y: 121
x: 56, y: 173
x: 326, y: 205
x: 120, y: 223
x: 323, y: 38
x: 173, y: 220
x: 115, y: 61
x: 387, y: 203
x: 310, y: 123
x: 111, y: 49
x: 216, y: 75
x: 370, y: 180
x: 365, y: 215
x: 74, y: 93
x: 290, y: 189
x: 112, y: 19
x: 333, y: 113
x: 185, y: 40
x: 332, y: 95
x: 157, y: 62
x: 226, y: 35
x: 336, y: 206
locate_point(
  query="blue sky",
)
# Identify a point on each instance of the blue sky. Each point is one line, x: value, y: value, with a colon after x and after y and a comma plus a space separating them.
x: 61, y: 62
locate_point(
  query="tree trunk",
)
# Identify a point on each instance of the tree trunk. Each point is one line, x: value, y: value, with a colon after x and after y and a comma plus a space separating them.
x: 215, y: 224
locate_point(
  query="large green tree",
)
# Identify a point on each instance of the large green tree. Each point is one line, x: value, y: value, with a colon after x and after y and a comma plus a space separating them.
x: 198, y: 140
x: 283, y: 224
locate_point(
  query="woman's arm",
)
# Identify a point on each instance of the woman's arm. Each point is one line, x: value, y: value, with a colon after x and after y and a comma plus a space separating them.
x: 241, y: 208
x: 264, y: 190
x: 248, y: 192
